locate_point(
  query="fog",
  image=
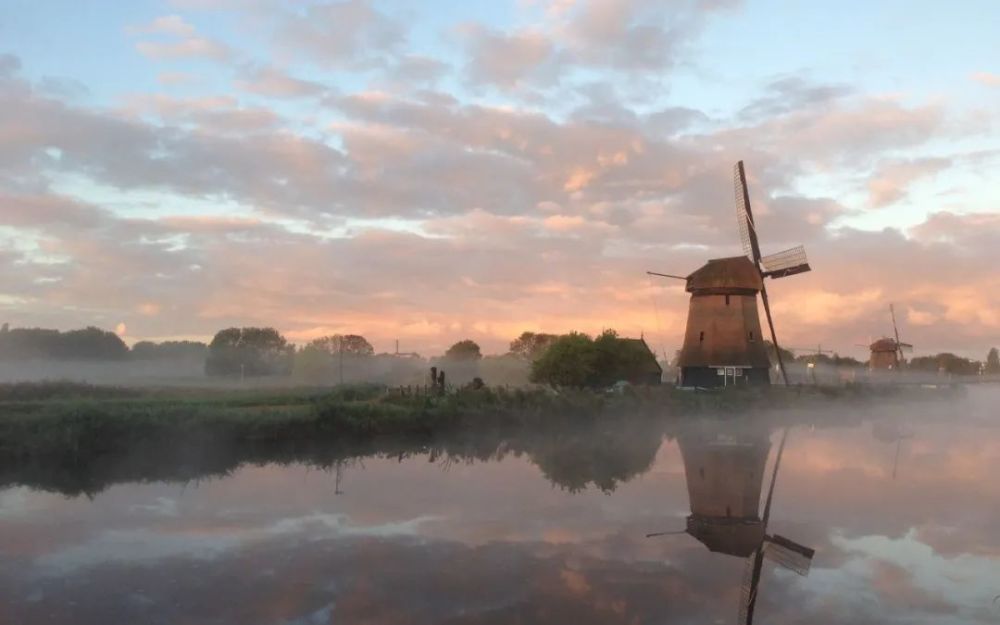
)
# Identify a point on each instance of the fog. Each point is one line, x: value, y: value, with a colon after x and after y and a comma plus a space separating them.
x: 384, y: 369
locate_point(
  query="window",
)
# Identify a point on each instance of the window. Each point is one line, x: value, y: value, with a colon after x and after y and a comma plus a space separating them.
x: 701, y: 336
x: 727, y: 300
x: 750, y: 336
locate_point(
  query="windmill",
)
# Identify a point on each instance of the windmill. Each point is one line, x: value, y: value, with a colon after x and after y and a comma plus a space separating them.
x: 723, y: 337
x: 887, y: 353
x: 724, y: 469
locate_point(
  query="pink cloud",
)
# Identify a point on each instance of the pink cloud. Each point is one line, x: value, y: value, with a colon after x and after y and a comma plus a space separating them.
x: 986, y: 78
x: 890, y: 180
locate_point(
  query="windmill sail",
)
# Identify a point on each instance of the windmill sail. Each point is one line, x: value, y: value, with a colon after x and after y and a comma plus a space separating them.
x: 786, y: 263
x: 744, y: 216
x: 748, y: 234
x: 900, y: 346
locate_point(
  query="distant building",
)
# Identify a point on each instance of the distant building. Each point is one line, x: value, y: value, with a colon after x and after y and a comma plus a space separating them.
x: 723, y: 344
x: 647, y: 371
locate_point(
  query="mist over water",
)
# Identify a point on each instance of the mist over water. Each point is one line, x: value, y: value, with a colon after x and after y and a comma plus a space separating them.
x: 898, y: 502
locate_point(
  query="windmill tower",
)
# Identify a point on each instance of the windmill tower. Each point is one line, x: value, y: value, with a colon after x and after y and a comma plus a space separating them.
x: 723, y: 342
x: 887, y: 353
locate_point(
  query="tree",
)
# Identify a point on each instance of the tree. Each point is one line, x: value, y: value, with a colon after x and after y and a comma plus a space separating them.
x: 248, y: 351
x: 946, y: 362
x: 351, y: 344
x: 169, y: 350
x: 571, y: 360
x: 786, y: 355
x: 620, y: 359
x: 464, y: 350
x: 531, y: 345
x: 846, y: 361
x: 993, y: 361
x: 313, y: 364
x: 92, y: 343
x: 89, y: 343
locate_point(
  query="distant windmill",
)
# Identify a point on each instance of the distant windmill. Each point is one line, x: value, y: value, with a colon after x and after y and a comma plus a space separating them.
x: 887, y: 353
x: 723, y: 338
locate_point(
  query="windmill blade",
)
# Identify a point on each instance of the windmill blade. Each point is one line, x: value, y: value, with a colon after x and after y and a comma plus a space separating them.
x: 744, y: 214
x: 899, y: 346
x: 774, y: 335
x: 905, y: 347
x: 789, y: 554
x: 786, y: 263
x: 748, y: 234
x: 665, y: 275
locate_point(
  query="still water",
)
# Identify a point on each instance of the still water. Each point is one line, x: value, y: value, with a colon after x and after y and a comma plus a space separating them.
x: 899, y: 511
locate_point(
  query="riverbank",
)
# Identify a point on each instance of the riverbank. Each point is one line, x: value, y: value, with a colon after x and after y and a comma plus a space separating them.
x: 78, y: 438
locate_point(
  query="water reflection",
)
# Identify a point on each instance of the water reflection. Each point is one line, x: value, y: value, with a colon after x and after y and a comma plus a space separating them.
x: 724, y: 468
x: 573, y: 455
x: 724, y: 464
x: 547, y: 529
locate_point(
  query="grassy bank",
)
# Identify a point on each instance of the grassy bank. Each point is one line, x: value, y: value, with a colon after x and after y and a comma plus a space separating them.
x: 78, y: 438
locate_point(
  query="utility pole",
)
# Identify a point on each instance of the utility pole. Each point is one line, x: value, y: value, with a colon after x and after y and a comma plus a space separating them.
x: 340, y: 349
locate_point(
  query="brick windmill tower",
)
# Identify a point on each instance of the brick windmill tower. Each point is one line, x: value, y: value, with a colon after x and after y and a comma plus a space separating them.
x: 723, y: 343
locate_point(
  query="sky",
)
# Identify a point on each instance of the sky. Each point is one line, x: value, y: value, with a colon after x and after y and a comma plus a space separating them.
x: 428, y: 171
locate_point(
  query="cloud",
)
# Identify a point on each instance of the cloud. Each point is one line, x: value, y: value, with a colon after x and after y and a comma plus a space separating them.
x: 174, y: 25
x: 173, y: 79
x: 218, y: 114
x: 274, y: 83
x: 347, y: 34
x: 638, y: 37
x: 506, y: 60
x: 409, y: 69
x: 890, y: 180
x: 793, y: 93
x: 986, y: 78
x: 177, y: 39
x: 191, y: 47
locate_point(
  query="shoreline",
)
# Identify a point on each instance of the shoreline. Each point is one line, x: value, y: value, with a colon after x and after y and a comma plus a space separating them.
x: 79, y: 439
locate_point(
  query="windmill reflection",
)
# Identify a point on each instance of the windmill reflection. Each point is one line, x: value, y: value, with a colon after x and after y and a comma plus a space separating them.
x: 724, y: 465
x: 725, y: 470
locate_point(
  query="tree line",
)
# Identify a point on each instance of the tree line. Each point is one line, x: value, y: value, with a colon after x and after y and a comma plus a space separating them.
x: 89, y: 343
x: 572, y: 359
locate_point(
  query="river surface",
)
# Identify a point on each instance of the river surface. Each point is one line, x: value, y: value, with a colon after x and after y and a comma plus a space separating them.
x: 900, y: 513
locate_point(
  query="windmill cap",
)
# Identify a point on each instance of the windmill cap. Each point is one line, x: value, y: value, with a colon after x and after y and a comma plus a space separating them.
x: 884, y: 345
x: 736, y: 274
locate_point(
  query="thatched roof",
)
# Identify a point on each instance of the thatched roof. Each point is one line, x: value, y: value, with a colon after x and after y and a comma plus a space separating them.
x: 647, y: 364
x: 884, y: 345
x: 721, y: 275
